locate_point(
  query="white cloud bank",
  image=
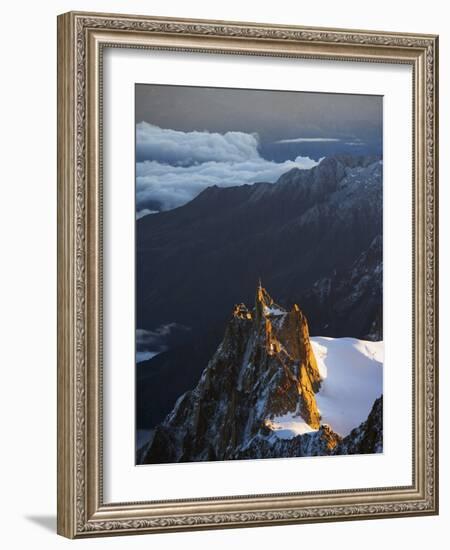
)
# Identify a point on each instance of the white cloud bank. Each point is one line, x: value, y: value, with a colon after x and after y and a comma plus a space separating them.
x: 185, y: 148
x: 180, y: 165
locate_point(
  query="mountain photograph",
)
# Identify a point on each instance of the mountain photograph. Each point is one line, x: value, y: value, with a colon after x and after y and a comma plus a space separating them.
x: 259, y: 274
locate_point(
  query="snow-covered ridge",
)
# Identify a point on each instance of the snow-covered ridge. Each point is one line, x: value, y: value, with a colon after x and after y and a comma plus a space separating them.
x: 352, y: 378
x: 352, y: 372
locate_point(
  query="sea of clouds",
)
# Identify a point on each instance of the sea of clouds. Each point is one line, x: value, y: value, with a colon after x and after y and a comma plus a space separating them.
x: 173, y: 166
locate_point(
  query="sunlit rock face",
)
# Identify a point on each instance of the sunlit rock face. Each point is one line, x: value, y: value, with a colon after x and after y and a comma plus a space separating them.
x: 256, y: 397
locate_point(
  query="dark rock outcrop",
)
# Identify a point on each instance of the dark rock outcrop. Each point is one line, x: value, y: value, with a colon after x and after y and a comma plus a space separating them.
x: 367, y: 437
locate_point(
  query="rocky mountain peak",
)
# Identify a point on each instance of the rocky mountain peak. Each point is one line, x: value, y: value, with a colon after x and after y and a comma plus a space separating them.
x: 263, y: 371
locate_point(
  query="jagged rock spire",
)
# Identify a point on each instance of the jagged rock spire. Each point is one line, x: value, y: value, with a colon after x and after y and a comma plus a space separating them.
x: 263, y: 302
x: 260, y: 292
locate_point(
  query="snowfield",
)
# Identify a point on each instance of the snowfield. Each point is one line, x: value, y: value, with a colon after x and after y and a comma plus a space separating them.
x: 288, y: 426
x: 352, y: 378
x: 352, y: 373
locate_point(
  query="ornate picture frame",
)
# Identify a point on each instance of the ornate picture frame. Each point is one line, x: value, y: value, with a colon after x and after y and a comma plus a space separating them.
x: 82, y: 39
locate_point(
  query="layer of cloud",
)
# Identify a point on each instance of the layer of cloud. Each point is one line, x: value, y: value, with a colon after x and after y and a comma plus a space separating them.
x: 355, y: 143
x: 155, y: 340
x: 185, y: 148
x: 307, y: 140
x: 150, y: 343
x: 179, y: 165
x: 144, y: 212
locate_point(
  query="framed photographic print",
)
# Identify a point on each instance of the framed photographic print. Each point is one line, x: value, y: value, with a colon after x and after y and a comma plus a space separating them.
x: 247, y: 289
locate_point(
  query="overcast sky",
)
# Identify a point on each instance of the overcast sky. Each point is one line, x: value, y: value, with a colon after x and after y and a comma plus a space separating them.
x: 190, y: 137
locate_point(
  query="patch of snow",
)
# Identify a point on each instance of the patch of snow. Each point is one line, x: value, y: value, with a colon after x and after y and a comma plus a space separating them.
x: 273, y: 311
x: 288, y: 426
x: 352, y: 373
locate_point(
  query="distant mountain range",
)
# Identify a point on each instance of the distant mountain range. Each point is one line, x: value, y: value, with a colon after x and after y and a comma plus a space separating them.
x: 314, y: 237
x: 258, y: 397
